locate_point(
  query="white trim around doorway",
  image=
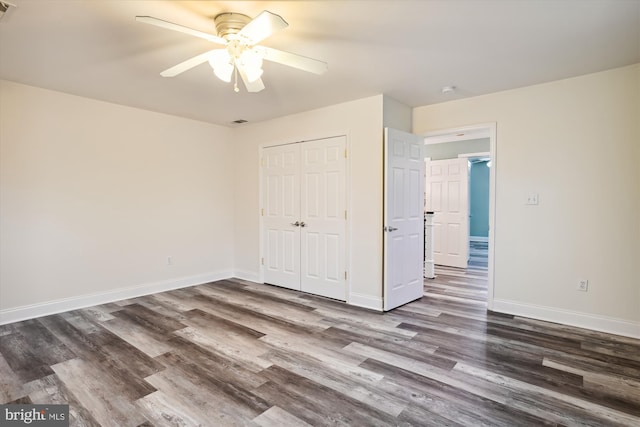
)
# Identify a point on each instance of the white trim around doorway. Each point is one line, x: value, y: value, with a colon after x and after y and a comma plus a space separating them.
x: 483, y: 130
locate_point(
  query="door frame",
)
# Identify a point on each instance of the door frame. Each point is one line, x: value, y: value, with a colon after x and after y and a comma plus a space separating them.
x: 465, y: 133
x: 347, y: 183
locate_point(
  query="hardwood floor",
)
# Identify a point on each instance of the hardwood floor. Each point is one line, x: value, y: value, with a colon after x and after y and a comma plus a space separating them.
x: 237, y: 353
x: 478, y: 254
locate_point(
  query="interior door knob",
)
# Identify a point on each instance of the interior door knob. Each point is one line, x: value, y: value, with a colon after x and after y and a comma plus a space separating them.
x: 302, y: 224
x: 296, y: 224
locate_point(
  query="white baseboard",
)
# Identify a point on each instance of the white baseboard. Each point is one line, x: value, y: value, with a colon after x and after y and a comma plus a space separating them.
x: 478, y: 239
x: 251, y: 276
x: 567, y: 317
x: 31, y: 311
x: 365, y: 301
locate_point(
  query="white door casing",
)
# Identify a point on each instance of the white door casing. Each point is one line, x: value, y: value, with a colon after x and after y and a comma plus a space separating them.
x: 479, y: 131
x: 403, y: 218
x: 304, y: 219
x: 447, y: 195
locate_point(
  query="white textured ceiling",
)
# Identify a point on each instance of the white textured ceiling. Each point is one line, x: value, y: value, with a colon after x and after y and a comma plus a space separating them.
x: 405, y: 49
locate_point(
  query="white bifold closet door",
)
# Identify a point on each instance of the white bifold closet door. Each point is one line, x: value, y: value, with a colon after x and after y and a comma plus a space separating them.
x: 304, y: 222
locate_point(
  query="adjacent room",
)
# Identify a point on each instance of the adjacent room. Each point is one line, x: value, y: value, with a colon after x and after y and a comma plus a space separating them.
x: 357, y: 213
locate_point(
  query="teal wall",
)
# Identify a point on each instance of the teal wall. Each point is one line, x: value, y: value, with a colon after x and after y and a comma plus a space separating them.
x: 479, y: 200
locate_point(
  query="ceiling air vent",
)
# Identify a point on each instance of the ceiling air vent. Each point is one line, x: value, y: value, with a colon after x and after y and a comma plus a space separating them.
x: 239, y: 121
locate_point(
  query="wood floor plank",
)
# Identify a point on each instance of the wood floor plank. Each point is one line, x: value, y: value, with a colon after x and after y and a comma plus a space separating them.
x: 214, y: 364
x: 23, y: 361
x: 607, y: 415
x: 160, y: 409
x: 323, y: 401
x: 355, y: 382
x: 11, y: 385
x: 447, y: 402
x: 278, y: 417
x: 52, y: 390
x: 136, y: 336
x: 204, y: 406
x: 248, y: 355
x: 100, y: 393
x: 214, y: 382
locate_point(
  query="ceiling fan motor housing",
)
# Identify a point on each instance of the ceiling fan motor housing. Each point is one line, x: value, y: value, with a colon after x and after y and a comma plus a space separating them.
x: 230, y: 23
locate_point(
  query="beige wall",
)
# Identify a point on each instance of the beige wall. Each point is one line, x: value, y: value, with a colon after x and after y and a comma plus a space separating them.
x: 96, y: 196
x: 576, y: 142
x: 361, y: 121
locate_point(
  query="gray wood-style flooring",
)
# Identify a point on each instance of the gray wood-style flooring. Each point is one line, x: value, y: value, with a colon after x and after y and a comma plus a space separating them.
x: 237, y: 353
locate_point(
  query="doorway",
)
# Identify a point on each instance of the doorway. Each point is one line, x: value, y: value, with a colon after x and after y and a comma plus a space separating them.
x: 467, y: 146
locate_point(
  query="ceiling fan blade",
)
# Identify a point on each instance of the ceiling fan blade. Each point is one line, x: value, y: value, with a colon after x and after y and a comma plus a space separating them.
x: 188, y: 64
x: 293, y: 60
x: 261, y: 27
x: 180, y: 28
x: 254, y: 86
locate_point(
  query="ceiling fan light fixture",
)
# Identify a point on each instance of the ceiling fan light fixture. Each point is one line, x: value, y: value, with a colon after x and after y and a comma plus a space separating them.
x: 253, y: 74
x: 224, y: 72
x: 222, y: 65
x: 251, y: 62
x: 251, y: 58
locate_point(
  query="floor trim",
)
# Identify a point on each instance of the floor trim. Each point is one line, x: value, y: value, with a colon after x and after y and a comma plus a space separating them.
x: 250, y: 276
x: 567, y: 317
x: 365, y: 301
x: 31, y: 311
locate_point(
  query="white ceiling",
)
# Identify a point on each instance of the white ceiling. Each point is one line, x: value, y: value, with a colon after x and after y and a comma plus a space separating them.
x: 405, y: 49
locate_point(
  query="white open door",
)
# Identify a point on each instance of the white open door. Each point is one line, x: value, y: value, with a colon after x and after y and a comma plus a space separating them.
x: 403, y: 218
x: 323, y: 219
x: 281, y: 214
x: 447, y: 192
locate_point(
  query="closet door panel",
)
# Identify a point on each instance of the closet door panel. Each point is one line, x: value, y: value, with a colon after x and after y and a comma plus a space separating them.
x: 281, y: 238
x: 323, y: 204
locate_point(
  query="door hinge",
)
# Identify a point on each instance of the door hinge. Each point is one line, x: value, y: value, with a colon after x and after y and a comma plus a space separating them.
x: 345, y: 153
x: 262, y: 261
x: 262, y: 161
x: 345, y: 214
x: 262, y: 211
x: 345, y: 275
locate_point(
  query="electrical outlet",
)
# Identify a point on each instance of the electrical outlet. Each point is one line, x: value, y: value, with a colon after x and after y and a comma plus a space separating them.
x: 583, y: 285
x: 532, y: 199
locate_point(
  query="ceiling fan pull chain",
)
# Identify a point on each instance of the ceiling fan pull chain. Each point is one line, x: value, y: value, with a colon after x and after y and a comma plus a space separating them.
x: 235, y: 84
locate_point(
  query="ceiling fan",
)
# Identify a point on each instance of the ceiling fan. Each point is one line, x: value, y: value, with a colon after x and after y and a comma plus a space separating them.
x: 240, y: 35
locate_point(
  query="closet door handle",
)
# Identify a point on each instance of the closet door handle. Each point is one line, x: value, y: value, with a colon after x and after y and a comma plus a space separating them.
x: 296, y: 224
x: 302, y: 224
